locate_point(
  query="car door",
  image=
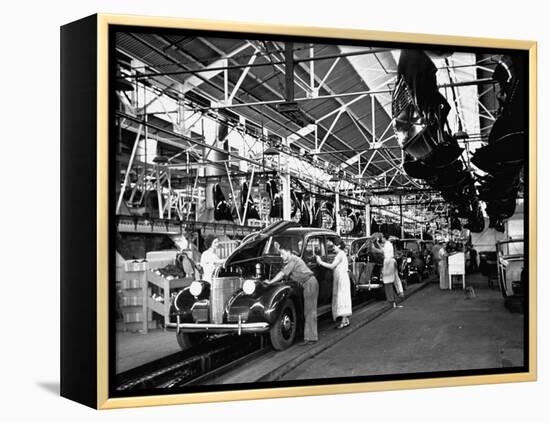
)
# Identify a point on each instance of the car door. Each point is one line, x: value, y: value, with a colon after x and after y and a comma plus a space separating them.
x: 315, y: 246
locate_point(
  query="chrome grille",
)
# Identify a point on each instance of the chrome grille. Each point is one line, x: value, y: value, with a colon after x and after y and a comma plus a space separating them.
x: 221, y: 290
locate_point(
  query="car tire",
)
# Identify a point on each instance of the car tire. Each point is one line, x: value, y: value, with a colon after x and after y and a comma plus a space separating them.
x: 283, y: 331
x: 189, y: 340
x: 413, y: 279
x: 353, y: 289
x: 380, y: 293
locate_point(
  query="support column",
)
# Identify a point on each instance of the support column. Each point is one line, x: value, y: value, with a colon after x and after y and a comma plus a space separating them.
x: 401, y: 216
x: 367, y: 220
x: 286, y: 188
x: 289, y: 72
x: 337, y: 209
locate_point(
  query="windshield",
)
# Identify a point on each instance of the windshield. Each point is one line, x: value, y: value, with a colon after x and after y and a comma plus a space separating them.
x: 411, y: 246
x: 363, y: 244
x: 511, y: 248
x: 294, y: 242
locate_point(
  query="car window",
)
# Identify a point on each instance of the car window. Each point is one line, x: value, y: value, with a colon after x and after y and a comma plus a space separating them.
x: 314, y: 247
x: 330, y: 251
x: 411, y: 246
x: 294, y: 242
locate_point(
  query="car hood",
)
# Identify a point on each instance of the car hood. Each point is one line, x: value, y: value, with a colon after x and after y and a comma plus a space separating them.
x: 254, y: 244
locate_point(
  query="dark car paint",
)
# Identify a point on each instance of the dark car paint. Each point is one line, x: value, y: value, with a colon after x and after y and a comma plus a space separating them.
x: 184, y: 301
x: 366, y: 254
x: 264, y: 305
x: 417, y: 258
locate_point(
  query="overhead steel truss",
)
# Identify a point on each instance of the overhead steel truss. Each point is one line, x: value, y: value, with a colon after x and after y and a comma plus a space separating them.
x: 364, y: 172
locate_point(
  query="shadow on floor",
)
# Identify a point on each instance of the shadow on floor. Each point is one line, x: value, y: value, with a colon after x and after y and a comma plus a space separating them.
x: 51, y: 387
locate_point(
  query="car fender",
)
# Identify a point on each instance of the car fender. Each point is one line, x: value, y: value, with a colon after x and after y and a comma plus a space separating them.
x: 277, y: 296
x: 353, y: 284
x: 266, y: 301
x: 183, y: 302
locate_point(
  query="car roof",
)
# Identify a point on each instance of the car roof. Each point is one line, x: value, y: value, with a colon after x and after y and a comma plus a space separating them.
x: 307, y: 231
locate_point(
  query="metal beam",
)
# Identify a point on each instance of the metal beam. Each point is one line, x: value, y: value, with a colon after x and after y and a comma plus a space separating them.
x: 199, y: 143
x: 211, y: 70
x: 130, y: 162
x: 339, y: 95
x: 215, y: 67
x: 241, y: 79
x: 289, y: 72
x: 368, y: 163
x: 329, y: 130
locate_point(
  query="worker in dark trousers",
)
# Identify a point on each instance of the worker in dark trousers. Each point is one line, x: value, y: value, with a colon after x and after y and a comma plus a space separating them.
x: 295, y: 269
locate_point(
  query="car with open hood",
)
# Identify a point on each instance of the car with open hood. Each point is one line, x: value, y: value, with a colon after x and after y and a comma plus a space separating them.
x: 238, y: 300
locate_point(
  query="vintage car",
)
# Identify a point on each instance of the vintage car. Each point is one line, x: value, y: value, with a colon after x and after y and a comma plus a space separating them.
x: 366, y: 266
x: 240, y: 301
x: 410, y: 260
x: 510, y: 266
x: 487, y: 262
x: 427, y: 248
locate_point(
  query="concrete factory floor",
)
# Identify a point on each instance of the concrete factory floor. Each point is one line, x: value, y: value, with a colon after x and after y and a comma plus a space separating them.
x: 434, y: 331
x: 136, y: 349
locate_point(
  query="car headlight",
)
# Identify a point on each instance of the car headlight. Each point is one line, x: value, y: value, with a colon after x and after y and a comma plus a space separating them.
x: 196, y: 288
x: 249, y: 286
x: 409, y: 260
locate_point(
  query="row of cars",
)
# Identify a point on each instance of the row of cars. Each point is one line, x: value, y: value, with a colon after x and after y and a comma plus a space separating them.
x: 239, y: 301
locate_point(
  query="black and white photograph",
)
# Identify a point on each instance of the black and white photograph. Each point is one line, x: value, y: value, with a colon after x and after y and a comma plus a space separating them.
x: 278, y: 211
x: 293, y: 211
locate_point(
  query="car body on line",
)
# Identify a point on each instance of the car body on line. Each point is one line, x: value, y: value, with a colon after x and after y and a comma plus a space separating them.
x: 427, y: 247
x: 238, y: 300
x: 410, y: 259
x: 366, y: 266
x: 510, y: 266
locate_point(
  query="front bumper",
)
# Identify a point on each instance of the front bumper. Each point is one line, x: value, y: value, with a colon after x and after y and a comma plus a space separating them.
x: 258, y: 327
x: 368, y: 286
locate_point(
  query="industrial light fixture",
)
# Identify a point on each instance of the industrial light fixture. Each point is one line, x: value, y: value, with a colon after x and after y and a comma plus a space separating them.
x: 336, y: 176
x: 271, y: 151
x: 160, y: 160
x: 121, y: 84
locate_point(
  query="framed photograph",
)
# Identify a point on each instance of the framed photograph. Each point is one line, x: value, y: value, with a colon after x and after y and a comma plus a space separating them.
x: 254, y: 211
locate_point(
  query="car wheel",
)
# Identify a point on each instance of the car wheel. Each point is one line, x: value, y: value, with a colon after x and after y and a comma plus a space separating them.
x: 353, y: 288
x: 283, y: 331
x: 380, y: 293
x: 189, y: 340
x: 415, y: 278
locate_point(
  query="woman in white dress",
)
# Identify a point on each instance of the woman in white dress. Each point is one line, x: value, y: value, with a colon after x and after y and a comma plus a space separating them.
x: 341, y: 290
x: 443, y: 267
x: 210, y: 261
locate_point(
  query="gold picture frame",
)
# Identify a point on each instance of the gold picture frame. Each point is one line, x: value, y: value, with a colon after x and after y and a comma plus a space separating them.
x: 83, y: 391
